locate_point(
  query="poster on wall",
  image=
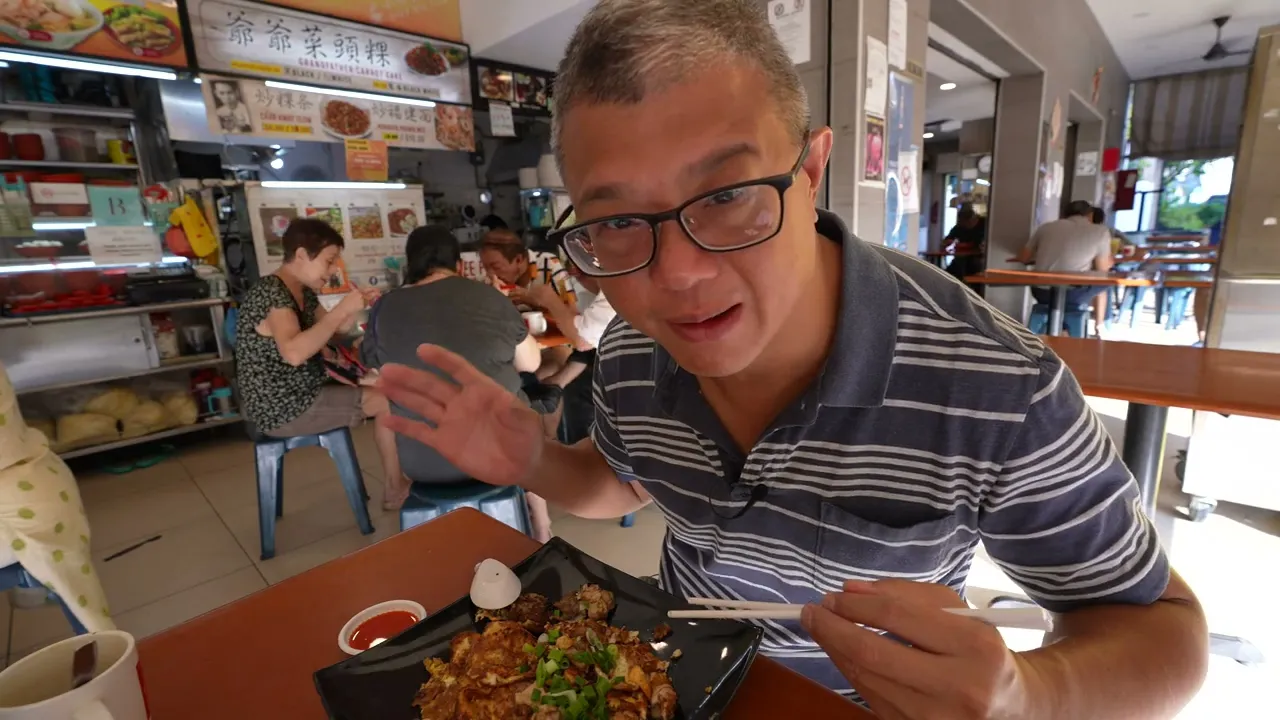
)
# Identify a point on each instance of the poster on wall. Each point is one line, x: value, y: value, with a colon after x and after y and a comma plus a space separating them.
x: 433, y: 18
x: 248, y: 38
x: 249, y: 107
x: 899, y: 137
x: 792, y: 20
x: 376, y: 223
x: 898, y: 34
x: 137, y: 31
x: 909, y: 180
x: 877, y: 89
x: 522, y: 89
x: 873, y: 166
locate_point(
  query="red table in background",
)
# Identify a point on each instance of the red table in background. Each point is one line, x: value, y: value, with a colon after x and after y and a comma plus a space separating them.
x: 254, y: 658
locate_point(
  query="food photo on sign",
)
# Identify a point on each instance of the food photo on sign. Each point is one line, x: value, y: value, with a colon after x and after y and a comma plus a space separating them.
x: 147, y: 31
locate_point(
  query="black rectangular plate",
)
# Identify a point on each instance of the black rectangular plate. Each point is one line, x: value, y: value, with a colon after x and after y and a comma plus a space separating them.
x: 380, y: 683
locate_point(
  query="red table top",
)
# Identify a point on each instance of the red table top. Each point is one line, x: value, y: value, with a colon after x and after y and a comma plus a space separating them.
x: 254, y: 658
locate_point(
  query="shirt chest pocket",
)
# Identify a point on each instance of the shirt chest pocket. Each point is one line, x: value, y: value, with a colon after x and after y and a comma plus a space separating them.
x: 851, y: 546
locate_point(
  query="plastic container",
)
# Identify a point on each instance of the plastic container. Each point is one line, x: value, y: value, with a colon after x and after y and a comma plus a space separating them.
x: 77, y: 144
x: 360, y: 618
x: 28, y: 146
x: 6, y: 147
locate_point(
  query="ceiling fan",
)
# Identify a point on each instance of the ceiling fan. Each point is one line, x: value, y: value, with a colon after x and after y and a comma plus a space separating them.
x: 1218, y: 51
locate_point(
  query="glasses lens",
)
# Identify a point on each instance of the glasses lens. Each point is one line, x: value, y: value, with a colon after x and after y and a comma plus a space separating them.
x: 617, y: 245
x: 733, y: 218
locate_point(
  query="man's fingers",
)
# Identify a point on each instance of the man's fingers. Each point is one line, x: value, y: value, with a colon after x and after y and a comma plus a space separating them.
x: 859, y: 652
x: 928, y: 627
x: 451, y: 364
x: 419, y: 391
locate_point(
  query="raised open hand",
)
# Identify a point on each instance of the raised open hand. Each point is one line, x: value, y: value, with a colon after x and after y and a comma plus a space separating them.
x: 485, y: 431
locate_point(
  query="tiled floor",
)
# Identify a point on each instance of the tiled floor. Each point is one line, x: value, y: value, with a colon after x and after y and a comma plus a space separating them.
x: 197, y: 515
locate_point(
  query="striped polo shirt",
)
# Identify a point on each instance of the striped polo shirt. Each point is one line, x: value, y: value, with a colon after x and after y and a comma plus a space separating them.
x: 937, y: 422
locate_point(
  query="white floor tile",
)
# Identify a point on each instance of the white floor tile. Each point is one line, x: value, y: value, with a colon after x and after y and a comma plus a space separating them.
x: 174, y: 503
x: 184, y: 557
x: 312, y: 513
x: 192, y: 602
x: 635, y: 550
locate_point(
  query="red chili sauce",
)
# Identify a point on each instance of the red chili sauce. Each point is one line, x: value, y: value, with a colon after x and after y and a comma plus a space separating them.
x: 381, y: 627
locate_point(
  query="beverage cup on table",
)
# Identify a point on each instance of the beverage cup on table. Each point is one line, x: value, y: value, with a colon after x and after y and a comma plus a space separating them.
x: 39, y: 686
x: 536, y: 322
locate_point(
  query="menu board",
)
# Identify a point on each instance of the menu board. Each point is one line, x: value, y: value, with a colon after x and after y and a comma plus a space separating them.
x: 374, y: 223
x: 249, y: 38
x: 524, y: 89
x: 433, y: 18
x: 136, y: 31
x: 249, y: 107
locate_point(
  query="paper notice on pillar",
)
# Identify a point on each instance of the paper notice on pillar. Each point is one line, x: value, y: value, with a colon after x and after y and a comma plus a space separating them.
x: 123, y: 245
x: 898, y: 34
x: 873, y: 152
x: 1059, y: 176
x: 501, y: 124
x: 792, y: 20
x: 877, y: 94
x: 909, y: 180
x: 1087, y: 163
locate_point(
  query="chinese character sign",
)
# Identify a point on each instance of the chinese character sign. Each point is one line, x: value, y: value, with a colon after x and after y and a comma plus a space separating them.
x: 251, y: 38
x: 249, y: 107
x: 433, y: 18
x: 138, y: 31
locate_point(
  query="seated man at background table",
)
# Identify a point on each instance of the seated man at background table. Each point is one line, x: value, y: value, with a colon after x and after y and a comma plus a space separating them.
x: 820, y: 420
x: 1072, y: 244
x: 969, y: 236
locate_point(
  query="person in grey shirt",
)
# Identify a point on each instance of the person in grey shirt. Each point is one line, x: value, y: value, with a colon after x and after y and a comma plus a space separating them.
x: 440, y: 307
x: 1072, y: 244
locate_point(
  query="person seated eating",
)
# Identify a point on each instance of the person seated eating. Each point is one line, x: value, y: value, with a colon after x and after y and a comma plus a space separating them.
x: 1072, y: 244
x: 440, y: 307
x: 282, y: 333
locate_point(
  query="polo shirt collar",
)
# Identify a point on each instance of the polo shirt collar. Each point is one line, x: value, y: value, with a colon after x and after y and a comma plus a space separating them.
x: 856, y: 372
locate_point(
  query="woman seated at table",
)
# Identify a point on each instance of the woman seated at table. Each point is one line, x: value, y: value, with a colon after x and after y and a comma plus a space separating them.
x: 437, y: 306
x: 281, y: 335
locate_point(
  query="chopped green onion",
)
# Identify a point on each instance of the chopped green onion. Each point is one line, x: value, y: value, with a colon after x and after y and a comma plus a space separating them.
x: 537, y: 695
x: 558, y: 684
x: 613, y: 651
x: 552, y: 666
x: 580, y: 681
x: 553, y: 636
x: 540, y: 675
x: 617, y: 681
x: 556, y: 654
x: 590, y: 693
x: 522, y: 669
x: 528, y: 648
x: 583, y: 658
x: 555, y: 613
x: 540, y: 651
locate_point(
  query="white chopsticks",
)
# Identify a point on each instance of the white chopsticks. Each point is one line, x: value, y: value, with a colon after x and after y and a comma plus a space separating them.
x: 1028, y: 618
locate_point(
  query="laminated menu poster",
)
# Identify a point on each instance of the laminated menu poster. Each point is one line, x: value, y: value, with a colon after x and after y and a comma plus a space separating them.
x: 248, y: 107
x: 136, y: 31
x: 248, y: 38
x: 374, y: 223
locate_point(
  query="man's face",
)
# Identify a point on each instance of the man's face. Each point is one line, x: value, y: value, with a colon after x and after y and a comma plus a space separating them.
x: 714, y: 312
x: 315, y: 272
x: 502, y: 269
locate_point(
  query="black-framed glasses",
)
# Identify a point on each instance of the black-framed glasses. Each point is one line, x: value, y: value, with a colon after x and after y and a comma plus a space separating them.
x: 734, y: 217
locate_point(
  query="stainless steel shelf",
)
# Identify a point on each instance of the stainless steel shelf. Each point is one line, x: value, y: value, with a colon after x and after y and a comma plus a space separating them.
x: 113, y: 312
x: 68, y: 110
x: 68, y: 165
x: 204, y: 361
x: 173, y: 432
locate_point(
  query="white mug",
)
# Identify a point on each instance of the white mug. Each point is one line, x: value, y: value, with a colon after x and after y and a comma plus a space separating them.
x: 535, y: 321
x: 38, y: 687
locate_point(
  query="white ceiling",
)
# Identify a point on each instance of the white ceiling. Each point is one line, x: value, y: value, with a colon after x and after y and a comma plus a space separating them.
x: 521, y: 31
x: 973, y: 98
x: 1164, y: 37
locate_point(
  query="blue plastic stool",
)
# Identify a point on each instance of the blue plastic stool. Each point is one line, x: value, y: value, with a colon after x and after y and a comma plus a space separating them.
x: 15, y: 575
x: 1074, y: 321
x: 427, y: 501
x: 270, y: 456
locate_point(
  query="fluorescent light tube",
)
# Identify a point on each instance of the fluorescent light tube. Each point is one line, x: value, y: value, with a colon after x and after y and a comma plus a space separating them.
x: 947, y: 86
x: 980, y: 181
x: 89, y: 66
x: 927, y: 135
x: 74, y: 225
x: 349, y: 93
x: 297, y: 185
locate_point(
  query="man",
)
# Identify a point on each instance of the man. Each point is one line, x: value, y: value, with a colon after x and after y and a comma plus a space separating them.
x: 966, y: 239
x: 1072, y: 244
x: 820, y: 420
x: 510, y: 265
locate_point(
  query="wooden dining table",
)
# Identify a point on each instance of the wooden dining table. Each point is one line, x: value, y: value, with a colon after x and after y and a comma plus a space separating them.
x: 1059, y: 282
x: 1154, y: 378
x: 255, y: 657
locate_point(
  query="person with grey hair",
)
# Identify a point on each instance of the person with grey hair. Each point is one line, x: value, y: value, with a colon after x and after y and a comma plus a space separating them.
x: 821, y: 421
